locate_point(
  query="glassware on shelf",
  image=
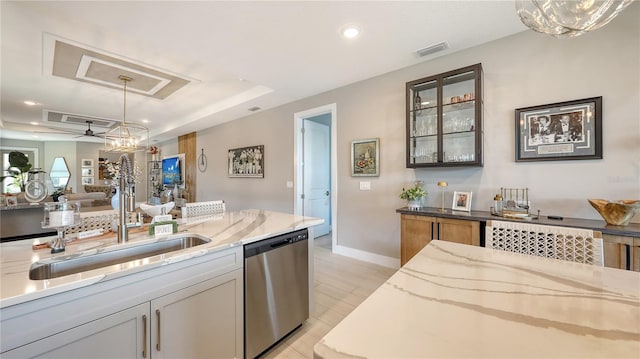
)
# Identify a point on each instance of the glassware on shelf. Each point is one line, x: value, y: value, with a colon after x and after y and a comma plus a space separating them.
x: 60, y: 215
x: 448, y: 119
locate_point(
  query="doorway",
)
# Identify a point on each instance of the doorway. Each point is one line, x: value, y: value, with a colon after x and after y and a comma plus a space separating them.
x: 315, y: 185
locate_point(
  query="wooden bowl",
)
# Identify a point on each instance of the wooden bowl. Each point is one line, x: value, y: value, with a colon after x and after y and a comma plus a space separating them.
x: 617, y: 213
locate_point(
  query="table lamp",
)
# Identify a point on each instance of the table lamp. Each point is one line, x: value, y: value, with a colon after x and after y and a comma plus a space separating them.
x: 442, y: 185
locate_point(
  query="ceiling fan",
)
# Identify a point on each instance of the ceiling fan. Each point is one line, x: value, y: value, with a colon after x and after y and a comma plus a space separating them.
x: 89, y: 132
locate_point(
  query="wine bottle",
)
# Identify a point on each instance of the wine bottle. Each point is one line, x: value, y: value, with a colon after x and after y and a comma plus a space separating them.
x: 417, y: 101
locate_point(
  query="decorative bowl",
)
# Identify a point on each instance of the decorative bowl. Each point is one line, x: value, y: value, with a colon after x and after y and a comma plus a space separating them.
x: 617, y: 213
x: 153, y: 211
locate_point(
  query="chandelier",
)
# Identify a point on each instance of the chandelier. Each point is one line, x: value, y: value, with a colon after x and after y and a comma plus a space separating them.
x: 568, y: 18
x: 127, y: 137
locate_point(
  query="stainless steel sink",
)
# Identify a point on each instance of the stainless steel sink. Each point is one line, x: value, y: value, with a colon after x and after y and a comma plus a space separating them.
x: 77, y: 263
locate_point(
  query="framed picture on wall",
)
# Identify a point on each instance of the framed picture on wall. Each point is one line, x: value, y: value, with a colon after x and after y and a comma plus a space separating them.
x: 461, y: 201
x: 87, y: 162
x: 87, y: 171
x: 570, y: 130
x: 246, y: 162
x: 365, y: 157
x: 87, y: 180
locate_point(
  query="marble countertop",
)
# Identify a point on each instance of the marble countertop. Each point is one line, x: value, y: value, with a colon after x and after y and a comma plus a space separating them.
x: 455, y: 300
x: 226, y: 230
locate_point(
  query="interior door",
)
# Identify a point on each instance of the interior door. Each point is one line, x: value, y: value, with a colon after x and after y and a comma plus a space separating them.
x: 317, y: 174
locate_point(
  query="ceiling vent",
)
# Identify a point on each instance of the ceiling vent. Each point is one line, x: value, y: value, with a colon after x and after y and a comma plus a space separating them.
x: 60, y: 118
x: 432, y: 49
x: 254, y: 108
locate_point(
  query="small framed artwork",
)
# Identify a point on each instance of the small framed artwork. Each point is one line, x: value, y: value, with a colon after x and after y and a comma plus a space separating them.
x: 87, y: 162
x: 461, y: 201
x: 87, y: 171
x: 11, y: 200
x: 365, y: 157
x: 87, y: 180
x: 246, y: 162
x: 570, y: 130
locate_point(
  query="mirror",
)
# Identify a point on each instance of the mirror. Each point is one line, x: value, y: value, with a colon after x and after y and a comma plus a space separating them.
x: 59, y: 173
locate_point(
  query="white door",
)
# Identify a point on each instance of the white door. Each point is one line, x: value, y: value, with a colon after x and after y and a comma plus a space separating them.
x: 317, y: 174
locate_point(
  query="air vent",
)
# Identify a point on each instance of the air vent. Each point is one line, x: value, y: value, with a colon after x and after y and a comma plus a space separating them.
x: 74, y: 119
x: 254, y: 108
x: 432, y: 49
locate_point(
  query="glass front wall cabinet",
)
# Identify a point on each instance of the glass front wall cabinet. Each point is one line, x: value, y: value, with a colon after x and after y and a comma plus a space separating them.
x: 444, y: 119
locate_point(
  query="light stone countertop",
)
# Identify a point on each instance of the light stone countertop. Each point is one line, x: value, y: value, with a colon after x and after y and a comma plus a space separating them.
x: 455, y: 300
x: 226, y: 230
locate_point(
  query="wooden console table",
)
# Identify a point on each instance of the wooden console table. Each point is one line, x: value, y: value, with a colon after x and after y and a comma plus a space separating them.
x: 419, y: 227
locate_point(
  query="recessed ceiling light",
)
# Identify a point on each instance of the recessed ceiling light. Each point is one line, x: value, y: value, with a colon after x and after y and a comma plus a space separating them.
x: 145, y: 121
x: 30, y: 103
x: 350, y: 31
x: 34, y: 123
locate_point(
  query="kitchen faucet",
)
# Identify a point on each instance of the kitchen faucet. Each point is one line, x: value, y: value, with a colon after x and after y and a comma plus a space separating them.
x: 126, y: 193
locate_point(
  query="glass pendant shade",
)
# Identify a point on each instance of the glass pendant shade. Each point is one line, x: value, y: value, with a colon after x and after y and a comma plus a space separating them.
x: 568, y: 18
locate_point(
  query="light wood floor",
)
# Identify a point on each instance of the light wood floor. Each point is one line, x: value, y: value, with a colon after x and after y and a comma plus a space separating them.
x: 341, y: 284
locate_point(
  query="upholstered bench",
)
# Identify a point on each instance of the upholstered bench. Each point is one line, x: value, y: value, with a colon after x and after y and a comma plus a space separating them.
x: 108, y: 190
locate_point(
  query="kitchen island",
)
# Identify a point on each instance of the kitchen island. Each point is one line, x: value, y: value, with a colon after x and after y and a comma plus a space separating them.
x: 197, y: 290
x: 455, y: 300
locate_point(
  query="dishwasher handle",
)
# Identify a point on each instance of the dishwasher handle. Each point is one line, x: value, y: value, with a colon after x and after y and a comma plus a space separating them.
x: 283, y: 242
x: 273, y: 243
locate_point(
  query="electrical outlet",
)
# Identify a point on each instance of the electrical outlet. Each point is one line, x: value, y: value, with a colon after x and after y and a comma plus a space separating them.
x: 365, y: 186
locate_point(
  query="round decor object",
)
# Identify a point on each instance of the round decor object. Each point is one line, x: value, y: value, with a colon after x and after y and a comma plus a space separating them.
x: 202, y: 162
x: 35, y: 191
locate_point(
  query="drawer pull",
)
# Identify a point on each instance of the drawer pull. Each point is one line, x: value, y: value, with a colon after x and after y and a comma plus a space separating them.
x: 158, y: 334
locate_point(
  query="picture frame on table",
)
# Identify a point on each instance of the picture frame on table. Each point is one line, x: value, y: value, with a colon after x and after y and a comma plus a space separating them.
x: 11, y: 200
x: 461, y: 201
x: 365, y: 158
x: 87, y: 171
x: 87, y: 180
x: 570, y: 130
x: 246, y: 162
x: 87, y: 162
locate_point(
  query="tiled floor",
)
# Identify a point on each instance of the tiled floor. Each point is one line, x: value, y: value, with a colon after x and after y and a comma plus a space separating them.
x: 341, y: 284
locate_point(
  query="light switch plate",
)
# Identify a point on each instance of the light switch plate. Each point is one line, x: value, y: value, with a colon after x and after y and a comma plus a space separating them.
x: 365, y: 186
x: 289, y: 184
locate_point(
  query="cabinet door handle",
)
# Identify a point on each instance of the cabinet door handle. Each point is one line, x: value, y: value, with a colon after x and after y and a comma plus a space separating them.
x: 158, y: 333
x: 144, y: 336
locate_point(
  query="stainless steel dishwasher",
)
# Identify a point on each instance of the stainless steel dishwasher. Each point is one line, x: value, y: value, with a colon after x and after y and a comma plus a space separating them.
x: 276, y: 283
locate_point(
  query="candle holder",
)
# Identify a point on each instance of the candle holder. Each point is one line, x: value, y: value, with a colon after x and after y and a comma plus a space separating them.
x: 442, y: 185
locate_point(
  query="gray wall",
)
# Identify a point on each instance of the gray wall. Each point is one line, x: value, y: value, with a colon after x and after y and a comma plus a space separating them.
x: 522, y: 70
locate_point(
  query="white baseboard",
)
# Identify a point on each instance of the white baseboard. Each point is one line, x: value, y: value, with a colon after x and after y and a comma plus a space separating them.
x: 367, y: 256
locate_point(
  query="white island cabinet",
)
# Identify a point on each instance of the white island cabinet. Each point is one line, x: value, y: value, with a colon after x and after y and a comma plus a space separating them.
x: 191, y: 309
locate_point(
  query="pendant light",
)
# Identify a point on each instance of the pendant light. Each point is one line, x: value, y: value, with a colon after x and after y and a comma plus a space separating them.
x: 127, y: 137
x: 568, y: 18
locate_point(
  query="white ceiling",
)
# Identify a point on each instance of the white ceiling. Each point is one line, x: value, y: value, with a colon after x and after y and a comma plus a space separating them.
x: 238, y: 54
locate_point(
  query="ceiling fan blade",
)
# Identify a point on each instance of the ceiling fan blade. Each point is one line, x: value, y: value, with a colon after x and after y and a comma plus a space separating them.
x: 60, y: 130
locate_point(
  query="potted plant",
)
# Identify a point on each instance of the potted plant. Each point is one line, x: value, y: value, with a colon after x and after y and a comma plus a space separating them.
x: 19, y: 167
x: 414, y: 195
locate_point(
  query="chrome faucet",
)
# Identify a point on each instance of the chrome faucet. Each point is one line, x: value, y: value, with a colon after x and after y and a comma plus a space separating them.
x: 126, y: 183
